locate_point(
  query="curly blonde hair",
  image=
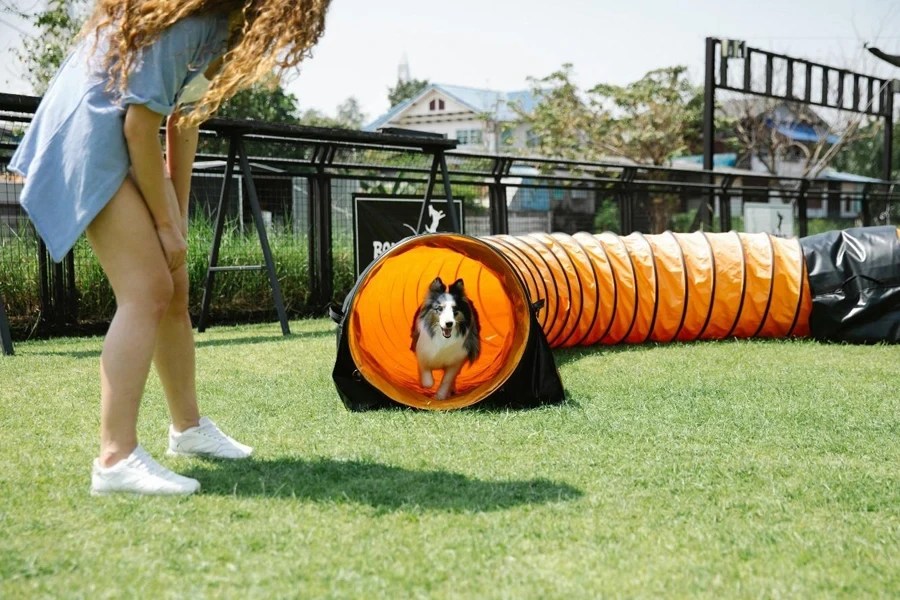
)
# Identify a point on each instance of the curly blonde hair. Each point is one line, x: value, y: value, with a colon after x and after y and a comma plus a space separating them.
x: 268, y: 38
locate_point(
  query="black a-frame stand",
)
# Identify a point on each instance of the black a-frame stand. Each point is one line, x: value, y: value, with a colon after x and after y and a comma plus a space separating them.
x: 325, y: 143
x: 5, y: 335
x: 236, y: 149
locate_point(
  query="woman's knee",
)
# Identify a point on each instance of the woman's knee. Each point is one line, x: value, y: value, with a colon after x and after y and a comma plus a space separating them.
x: 151, y: 295
x: 180, y: 291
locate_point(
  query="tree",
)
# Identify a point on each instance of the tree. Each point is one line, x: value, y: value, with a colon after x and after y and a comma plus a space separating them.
x: 350, y: 115
x: 404, y: 90
x: 657, y: 117
x: 57, y: 26
x: 649, y: 121
x: 761, y: 126
x: 261, y: 102
x: 865, y: 156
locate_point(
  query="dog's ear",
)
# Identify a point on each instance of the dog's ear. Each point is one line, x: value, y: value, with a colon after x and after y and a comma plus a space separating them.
x: 458, y: 287
x: 437, y: 286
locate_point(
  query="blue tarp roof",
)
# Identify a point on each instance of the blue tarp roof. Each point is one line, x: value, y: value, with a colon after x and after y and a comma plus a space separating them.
x: 478, y: 100
x: 849, y: 177
x: 800, y: 132
x: 725, y: 159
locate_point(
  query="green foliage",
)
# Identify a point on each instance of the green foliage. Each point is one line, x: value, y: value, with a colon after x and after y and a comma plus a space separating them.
x: 404, y: 90
x: 266, y: 102
x: 865, y: 155
x: 57, y: 26
x: 607, y: 217
x: 350, y: 114
x: 261, y: 102
x: 652, y: 120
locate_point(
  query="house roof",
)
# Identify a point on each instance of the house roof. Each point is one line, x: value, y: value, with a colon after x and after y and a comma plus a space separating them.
x: 848, y: 177
x: 498, y: 104
x: 780, y: 110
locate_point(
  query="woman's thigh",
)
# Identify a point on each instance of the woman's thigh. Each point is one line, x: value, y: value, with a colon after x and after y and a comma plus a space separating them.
x: 123, y: 237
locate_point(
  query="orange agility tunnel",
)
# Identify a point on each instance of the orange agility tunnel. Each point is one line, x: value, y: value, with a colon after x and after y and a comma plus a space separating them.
x: 607, y: 289
x: 540, y: 291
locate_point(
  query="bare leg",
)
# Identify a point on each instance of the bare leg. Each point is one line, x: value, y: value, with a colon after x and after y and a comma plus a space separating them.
x: 124, y: 240
x: 174, y: 357
x: 446, y: 388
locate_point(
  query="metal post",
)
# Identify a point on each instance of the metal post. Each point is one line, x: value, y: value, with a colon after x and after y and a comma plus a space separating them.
x: 709, y: 127
x: 455, y: 225
x: 429, y: 190
x: 71, y: 289
x: 864, y: 205
x: 499, y: 212
x: 325, y: 271
x: 887, y: 168
x: 709, y: 104
x: 263, y: 238
x: 59, y: 296
x: 626, y: 201
x: 5, y: 335
x: 497, y: 194
x: 802, y: 208
x: 44, y: 275
x: 311, y: 219
x: 725, y: 203
x: 217, y: 237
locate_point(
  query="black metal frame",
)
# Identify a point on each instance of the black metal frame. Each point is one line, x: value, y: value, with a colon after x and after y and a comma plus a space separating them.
x: 5, y: 333
x: 734, y: 49
x: 236, y: 149
x: 327, y: 157
x: 326, y: 142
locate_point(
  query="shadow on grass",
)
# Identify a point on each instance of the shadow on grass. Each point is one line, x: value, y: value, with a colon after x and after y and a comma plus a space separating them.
x: 237, y: 341
x: 377, y: 485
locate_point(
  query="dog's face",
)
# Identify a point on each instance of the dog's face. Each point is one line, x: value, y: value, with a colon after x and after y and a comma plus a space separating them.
x: 447, y: 310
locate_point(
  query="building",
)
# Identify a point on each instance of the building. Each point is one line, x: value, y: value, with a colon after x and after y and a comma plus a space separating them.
x: 480, y: 120
x: 780, y: 131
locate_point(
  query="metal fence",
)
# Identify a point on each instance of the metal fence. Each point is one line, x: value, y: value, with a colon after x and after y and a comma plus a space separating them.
x: 301, y: 180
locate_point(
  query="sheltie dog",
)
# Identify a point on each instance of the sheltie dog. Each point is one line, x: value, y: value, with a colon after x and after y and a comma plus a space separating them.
x: 445, y: 334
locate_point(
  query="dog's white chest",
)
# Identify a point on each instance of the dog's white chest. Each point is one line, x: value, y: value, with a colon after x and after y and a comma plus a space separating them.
x: 438, y: 352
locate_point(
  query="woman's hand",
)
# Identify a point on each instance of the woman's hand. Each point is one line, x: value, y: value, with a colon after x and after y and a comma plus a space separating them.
x: 173, y: 244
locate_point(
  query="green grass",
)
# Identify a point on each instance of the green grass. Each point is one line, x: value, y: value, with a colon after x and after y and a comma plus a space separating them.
x: 733, y: 469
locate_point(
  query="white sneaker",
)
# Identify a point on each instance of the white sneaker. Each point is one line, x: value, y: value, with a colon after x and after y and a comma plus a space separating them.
x: 205, y: 440
x: 139, y: 474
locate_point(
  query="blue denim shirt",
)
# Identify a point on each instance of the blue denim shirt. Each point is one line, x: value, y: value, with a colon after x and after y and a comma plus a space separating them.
x: 74, y: 156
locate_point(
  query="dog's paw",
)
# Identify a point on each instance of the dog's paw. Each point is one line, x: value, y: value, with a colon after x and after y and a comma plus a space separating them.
x: 442, y: 394
x: 427, y: 380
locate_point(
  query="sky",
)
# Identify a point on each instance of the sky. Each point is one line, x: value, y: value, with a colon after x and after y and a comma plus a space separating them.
x: 498, y: 44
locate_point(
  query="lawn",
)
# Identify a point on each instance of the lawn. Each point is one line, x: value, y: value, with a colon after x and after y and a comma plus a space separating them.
x: 733, y: 469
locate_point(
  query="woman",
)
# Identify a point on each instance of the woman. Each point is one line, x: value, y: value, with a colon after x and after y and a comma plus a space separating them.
x: 93, y: 163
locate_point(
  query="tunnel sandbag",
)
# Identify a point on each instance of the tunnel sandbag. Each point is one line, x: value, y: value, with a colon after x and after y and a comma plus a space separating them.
x: 608, y: 289
x: 854, y: 279
x: 376, y: 366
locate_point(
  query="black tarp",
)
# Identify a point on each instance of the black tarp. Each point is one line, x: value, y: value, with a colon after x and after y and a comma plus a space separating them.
x: 854, y: 280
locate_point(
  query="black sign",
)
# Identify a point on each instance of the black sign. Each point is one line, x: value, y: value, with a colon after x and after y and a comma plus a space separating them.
x: 379, y: 222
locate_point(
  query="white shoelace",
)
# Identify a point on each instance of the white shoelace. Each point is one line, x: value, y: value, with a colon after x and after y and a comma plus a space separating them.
x: 144, y: 462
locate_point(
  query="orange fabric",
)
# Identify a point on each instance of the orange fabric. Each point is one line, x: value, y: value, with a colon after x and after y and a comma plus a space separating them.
x: 698, y: 258
x: 381, y: 318
x: 596, y: 289
x: 623, y: 286
x: 606, y: 289
x: 645, y: 283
